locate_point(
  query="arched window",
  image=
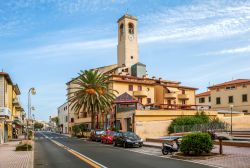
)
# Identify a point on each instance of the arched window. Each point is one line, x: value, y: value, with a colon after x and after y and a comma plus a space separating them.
x: 121, y: 28
x: 131, y: 28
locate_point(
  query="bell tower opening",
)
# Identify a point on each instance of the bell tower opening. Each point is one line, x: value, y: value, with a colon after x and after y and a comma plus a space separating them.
x: 127, y: 49
x: 121, y: 30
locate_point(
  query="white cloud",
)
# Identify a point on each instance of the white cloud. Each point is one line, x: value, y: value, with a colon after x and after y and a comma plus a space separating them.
x: 64, y: 49
x: 239, y: 50
x: 213, y: 19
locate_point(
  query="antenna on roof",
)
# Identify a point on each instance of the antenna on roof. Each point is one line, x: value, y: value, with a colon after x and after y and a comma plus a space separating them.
x: 127, y: 11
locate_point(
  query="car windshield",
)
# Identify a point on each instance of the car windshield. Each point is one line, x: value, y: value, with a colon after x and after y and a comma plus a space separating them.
x: 99, y: 132
x: 110, y: 133
x: 130, y: 135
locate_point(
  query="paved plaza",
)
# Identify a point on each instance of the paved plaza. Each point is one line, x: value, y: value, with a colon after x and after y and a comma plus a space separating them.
x: 9, y: 158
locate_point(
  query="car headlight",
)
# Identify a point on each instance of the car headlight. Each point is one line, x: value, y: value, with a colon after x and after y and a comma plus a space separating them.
x: 128, y: 140
x: 141, y: 140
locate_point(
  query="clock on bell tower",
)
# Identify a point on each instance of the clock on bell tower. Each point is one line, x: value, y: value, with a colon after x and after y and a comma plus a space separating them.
x: 127, y: 49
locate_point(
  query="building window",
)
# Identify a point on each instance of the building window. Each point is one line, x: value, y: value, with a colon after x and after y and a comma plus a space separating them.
x: 230, y: 87
x: 130, y: 87
x: 66, y: 118
x: 140, y: 100
x: 209, y: 99
x: 183, y: 91
x: 202, y: 100
x: 169, y: 102
x: 244, y: 86
x: 230, y: 99
x: 245, y: 111
x: 218, y: 100
x: 244, y: 98
x: 72, y: 120
x: 148, y: 100
x: 139, y: 88
x: 132, y: 57
x: 183, y: 102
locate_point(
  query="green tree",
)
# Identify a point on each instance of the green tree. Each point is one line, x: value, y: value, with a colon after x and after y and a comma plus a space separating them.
x: 90, y: 92
x: 38, y: 125
x: 83, y: 128
x: 76, y: 129
x: 56, y: 120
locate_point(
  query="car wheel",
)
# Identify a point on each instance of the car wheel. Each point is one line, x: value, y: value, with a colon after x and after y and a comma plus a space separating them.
x: 124, y: 145
x: 114, y: 143
x: 164, y: 151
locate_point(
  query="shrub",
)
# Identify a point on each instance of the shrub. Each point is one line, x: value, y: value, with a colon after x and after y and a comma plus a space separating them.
x: 196, y: 143
x: 23, y: 147
x: 199, y: 118
x: 76, y: 129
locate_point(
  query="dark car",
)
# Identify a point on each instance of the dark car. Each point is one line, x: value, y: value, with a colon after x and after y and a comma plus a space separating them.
x: 95, y: 135
x: 127, y: 139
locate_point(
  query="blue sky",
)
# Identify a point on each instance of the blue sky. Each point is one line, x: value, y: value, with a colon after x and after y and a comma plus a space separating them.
x: 44, y: 43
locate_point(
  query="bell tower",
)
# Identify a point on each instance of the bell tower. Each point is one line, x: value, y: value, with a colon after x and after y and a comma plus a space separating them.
x: 127, y: 49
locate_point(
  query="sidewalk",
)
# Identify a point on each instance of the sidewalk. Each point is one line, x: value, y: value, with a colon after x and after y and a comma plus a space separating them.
x: 232, y: 156
x: 9, y: 158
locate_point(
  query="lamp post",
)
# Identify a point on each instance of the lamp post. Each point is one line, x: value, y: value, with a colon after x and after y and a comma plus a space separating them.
x: 231, y: 108
x: 33, y: 92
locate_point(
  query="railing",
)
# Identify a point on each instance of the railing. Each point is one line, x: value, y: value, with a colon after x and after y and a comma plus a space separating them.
x: 209, y: 127
x: 5, y: 112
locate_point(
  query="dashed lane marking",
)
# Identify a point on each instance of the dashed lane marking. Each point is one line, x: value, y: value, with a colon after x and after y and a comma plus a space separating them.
x: 77, y: 154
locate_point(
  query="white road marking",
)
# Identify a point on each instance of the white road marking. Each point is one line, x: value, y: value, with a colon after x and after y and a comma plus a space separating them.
x: 67, y: 148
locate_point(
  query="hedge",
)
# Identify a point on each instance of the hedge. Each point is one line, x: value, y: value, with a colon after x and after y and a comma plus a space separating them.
x: 196, y: 143
x: 199, y: 118
x: 23, y: 147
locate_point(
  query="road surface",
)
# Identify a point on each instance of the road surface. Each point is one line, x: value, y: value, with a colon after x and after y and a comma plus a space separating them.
x: 55, y: 150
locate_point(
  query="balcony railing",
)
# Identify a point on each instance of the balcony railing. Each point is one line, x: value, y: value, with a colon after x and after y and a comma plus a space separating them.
x: 170, y: 95
x: 16, y: 102
x: 140, y: 93
x: 5, y: 112
x: 183, y: 96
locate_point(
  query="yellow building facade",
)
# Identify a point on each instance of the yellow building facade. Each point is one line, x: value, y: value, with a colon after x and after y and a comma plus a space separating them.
x: 11, y: 111
x: 130, y: 79
x: 235, y: 94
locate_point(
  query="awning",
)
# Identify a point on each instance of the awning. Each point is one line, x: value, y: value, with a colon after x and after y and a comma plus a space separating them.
x: 172, y: 90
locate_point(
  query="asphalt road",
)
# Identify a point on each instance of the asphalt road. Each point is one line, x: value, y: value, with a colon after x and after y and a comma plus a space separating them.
x: 48, y: 154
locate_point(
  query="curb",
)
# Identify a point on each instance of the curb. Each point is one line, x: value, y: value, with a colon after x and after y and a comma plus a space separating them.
x: 152, y: 146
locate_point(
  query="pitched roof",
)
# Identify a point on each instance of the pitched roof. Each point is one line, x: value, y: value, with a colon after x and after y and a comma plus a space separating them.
x: 7, y: 76
x: 203, y: 94
x: 125, y: 98
x: 232, y: 82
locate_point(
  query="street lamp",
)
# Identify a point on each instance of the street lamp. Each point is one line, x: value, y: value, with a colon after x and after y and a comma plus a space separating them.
x: 33, y: 92
x: 231, y: 108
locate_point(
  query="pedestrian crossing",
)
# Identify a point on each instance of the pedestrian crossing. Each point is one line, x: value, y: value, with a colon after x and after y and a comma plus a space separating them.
x: 61, y: 137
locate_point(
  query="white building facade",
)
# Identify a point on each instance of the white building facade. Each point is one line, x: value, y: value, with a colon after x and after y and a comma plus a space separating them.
x: 63, y: 113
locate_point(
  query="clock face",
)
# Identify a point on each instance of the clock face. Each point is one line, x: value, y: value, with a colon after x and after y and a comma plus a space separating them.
x: 130, y: 37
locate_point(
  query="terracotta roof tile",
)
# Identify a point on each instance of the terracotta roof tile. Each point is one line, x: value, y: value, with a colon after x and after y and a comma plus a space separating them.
x: 203, y: 94
x: 232, y: 82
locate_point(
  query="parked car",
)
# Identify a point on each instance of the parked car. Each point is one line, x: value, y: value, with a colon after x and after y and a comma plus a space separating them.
x: 107, y: 137
x: 95, y: 135
x: 127, y: 139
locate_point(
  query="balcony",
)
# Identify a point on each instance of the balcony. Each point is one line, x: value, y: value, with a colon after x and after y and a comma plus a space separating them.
x: 5, y: 112
x: 16, y: 102
x: 140, y: 93
x: 170, y: 95
x: 183, y: 97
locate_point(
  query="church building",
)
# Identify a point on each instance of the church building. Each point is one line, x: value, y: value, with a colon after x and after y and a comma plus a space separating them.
x: 135, y: 89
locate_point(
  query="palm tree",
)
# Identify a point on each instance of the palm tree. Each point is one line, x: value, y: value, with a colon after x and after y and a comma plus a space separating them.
x: 90, y: 92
